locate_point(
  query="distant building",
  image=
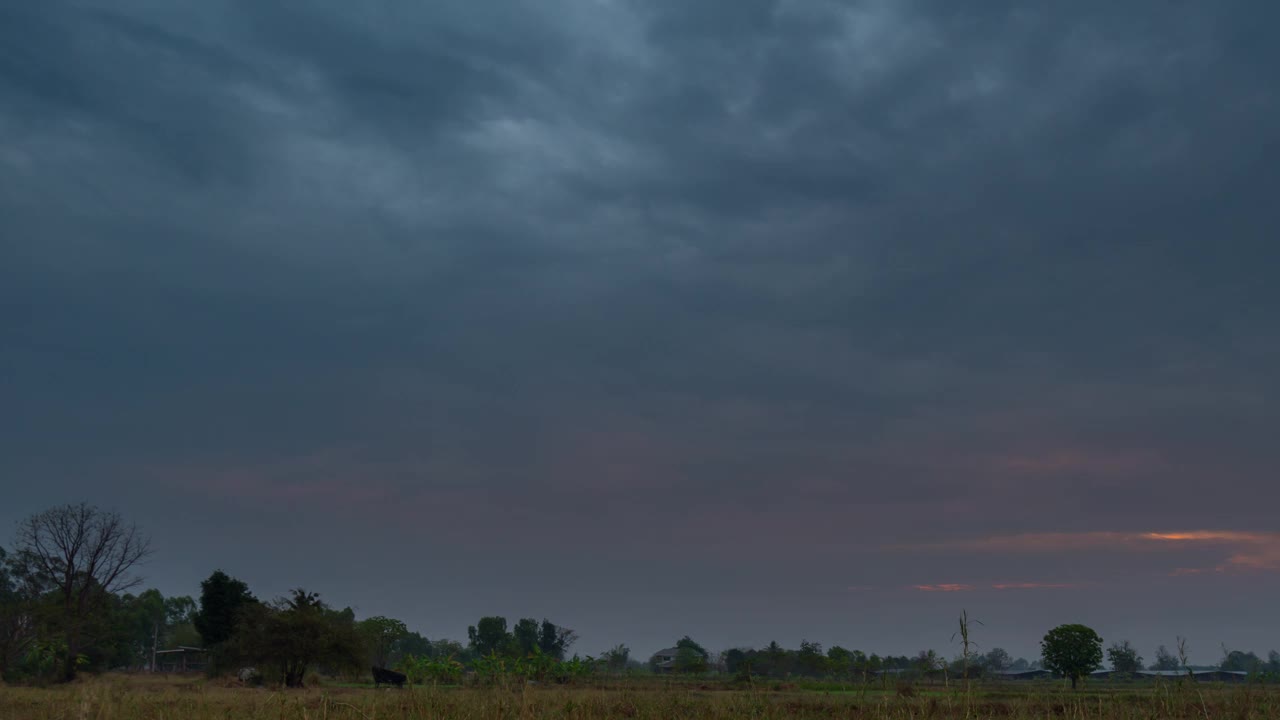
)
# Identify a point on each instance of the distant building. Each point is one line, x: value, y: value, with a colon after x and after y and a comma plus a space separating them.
x: 664, y: 661
x: 182, y: 659
x: 1038, y: 674
x: 1162, y: 673
x: 1228, y: 676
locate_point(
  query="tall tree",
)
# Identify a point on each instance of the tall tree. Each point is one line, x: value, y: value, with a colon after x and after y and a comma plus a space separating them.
x: 141, y: 626
x: 616, y: 658
x: 525, y: 635
x: 927, y: 661
x: 687, y: 642
x: 840, y: 661
x: 997, y: 660
x: 380, y: 635
x: 691, y: 658
x: 1165, y: 660
x: 776, y: 659
x: 293, y: 635
x: 1240, y: 661
x: 86, y: 555
x: 411, y: 643
x: 221, y: 598
x: 17, y: 630
x: 489, y: 635
x: 179, y: 610
x: 810, y: 659
x: 688, y: 661
x: 444, y: 649
x: 1124, y: 657
x: 1072, y: 651
x: 554, y: 640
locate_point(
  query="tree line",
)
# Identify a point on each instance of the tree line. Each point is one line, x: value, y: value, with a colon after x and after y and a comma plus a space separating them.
x: 69, y: 603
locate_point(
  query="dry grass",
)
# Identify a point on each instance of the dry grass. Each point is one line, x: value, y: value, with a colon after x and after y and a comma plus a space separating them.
x: 145, y: 698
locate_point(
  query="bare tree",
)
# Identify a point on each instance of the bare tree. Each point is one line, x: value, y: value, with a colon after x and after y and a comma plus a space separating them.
x: 84, y: 554
x: 1183, y: 652
x: 966, y: 643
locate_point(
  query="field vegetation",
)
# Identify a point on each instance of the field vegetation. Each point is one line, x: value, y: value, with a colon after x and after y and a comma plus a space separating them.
x: 154, y: 698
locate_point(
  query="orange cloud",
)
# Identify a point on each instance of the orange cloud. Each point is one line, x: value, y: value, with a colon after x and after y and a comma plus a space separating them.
x: 1244, y: 550
x: 1256, y: 551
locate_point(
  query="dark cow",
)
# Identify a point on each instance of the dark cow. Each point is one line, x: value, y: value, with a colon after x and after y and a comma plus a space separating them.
x: 383, y: 676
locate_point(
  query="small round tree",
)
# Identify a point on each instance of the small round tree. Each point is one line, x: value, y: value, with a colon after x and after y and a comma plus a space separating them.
x: 1072, y: 650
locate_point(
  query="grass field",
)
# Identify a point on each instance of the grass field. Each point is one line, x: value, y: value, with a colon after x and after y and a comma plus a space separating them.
x: 146, y: 698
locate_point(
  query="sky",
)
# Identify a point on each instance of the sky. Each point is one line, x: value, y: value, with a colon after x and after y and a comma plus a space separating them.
x: 749, y: 320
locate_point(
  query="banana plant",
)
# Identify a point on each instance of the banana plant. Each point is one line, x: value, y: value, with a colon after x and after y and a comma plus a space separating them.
x: 416, y: 669
x: 575, y: 668
x: 445, y: 670
x: 491, y: 668
x: 538, y: 665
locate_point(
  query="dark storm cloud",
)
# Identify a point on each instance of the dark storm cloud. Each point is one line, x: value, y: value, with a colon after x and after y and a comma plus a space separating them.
x: 793, y: 279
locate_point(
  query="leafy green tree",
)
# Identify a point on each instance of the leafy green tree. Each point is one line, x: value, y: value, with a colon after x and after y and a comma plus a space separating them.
x: 861, y: 664
x: 489, y: 636
x: 525, y: 636
x: 221, y: 599
x: 687, y: 642
x: 17, y: 630
x: 554, y: 640
x: 141, y: 627
x: 1273, y: 662
x: 1124, y: 658
x: 85, y: 555
x: 1072, y: 651
x: 179, y: 610
x: 689, y: 662
x: 776, y: 660
x: 180, y: 628
x: 997, y: 660
x: 449, y: 649
x: 875, y: 663
x: 616, y: 658
x: 927, y: 661
x: 737, y: 662
x: 380, y: 635
x: 810, y: 660
x: 840, y: 661
x: 691, y: 657
x: 1240, y: 661
x: 1165, y: 660
x: 290, y: 636
x: 411, y: 643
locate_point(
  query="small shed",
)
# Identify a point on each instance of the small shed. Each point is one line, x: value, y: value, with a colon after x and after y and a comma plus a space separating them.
x: 182, y: 659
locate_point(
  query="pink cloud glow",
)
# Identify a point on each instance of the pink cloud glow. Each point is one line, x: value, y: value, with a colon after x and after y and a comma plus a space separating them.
x: 1032, y: 586
x: 1243, y: 550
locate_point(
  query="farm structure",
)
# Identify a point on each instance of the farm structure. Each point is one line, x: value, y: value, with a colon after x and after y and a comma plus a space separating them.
x: 182, y: 659
x: 664, y: 661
